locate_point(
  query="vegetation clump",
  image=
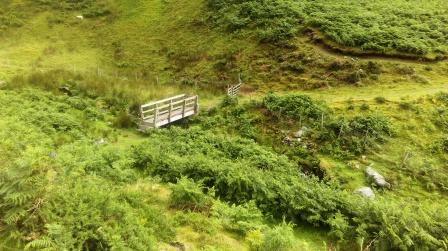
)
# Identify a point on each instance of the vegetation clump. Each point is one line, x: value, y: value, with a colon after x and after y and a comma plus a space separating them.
x: 341, y: 136
x: 274, y: 21
x: 295, y: 106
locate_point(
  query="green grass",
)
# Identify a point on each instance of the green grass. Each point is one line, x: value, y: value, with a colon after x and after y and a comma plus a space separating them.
x: 146, y: 50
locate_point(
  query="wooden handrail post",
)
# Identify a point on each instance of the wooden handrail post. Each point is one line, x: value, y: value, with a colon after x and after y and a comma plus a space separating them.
x: 183, y: 108
x: 141, y: 113
x: 170, y: 110
x: 196, y: 105
x: 156, y: 111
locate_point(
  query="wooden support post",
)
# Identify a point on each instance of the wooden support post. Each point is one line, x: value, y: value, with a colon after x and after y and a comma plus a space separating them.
x: 183, y: 108
x: 196, y: 105
x: 170, y: 110
x: 141, y: 114
x: 156, y: 111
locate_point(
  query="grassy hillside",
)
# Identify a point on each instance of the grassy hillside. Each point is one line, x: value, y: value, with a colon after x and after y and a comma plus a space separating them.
x: 398, y: 27
x: 75, y: 174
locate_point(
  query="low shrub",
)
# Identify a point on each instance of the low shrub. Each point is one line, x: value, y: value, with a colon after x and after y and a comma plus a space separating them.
x: 124, y: 120
x: 279, y: 238
x: 380, y: 100
x: 364, y: 107
x: 189, y: 195
x: 239, y: 218
x: 298, y: 107
x: 356, y: 135
x: 443, y: 97
x: 198, y: 221
x: 73, y: 194
x: 273, y: 21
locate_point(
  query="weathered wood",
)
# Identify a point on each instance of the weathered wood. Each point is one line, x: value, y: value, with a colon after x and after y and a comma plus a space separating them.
x: 162, y: 112
x: 234, y: 90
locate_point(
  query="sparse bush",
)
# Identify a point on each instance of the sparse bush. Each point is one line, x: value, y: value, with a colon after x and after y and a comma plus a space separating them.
x: 279, y: 238
x: 355, y: 135
x: 295, y: 106
x: 441, y: 145
x: 124, y: 120
x: 187, y: 194
x: 255, y: 239
x: 380, y: 100
x: 239, y: 218
x: 443, y: 97
x: 372, y: 68
x: 198, y: 221
x: 405, y: 70
x: 274, y: 21
x: 405, y: 106
x: 229, y: 101
x: 364, y: 107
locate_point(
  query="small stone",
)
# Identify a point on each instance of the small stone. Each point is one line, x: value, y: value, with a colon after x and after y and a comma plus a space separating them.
x: 377, y: 178
x: 100, y: 141
x: 66, y: 90
x: 287, y: 140
x: 301, y: 133
x: 353, y: 164
x: 298, y: 134
x: 365, y: 192
x: 52, y: 155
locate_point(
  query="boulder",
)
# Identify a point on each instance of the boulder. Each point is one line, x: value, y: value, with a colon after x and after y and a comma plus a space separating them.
x: 365, y: 192
x: 376, y: 178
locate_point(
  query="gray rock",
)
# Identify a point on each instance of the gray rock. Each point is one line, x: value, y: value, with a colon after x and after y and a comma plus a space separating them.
x: 365, y: 192
x: 66, y: 90
x: 377, y: 178
x: 287, y: 140
x: 53, y: 155
x: 100, y: 141
x: 300, y: 133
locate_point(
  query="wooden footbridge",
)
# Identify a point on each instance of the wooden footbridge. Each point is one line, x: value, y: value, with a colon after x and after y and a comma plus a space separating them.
x: 163, y: 112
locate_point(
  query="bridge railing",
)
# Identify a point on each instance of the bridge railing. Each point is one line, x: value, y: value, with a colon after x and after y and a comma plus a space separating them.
x: 162, y: 112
